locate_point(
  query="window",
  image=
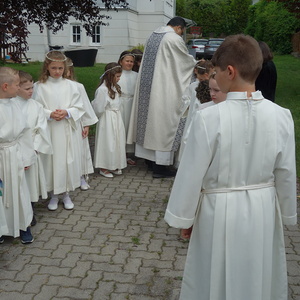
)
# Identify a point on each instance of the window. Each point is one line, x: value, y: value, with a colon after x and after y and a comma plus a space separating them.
x: 96, y: 35
x: 76, y: 34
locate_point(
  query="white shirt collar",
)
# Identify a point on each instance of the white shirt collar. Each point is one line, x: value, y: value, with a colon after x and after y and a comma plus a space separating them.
x: 256, y: 96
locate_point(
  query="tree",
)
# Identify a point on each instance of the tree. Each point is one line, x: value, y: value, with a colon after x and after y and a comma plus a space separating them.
x: 15, y: 16
x: 281, y: 24
x: 216, y: 17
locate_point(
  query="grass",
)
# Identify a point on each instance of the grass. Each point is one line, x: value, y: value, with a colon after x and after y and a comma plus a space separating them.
x: 287, y: 92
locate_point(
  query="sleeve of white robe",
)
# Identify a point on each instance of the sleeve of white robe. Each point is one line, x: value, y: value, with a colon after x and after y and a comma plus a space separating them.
x: 185, y: 194
x: 100, y: 102
x: 76, y: 107
x: 41, y: 139
x: 285, y: 175
x: 89, y: 118
x: 36, y: 96
x: 26, y: 145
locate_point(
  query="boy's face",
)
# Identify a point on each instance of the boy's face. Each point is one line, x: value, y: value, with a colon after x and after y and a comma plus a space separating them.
x: 56, y: 69
x: 13, y: 87
x: 26, y: 90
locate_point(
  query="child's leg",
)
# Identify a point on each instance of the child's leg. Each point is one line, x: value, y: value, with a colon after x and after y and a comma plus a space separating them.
x: 68, y: 204
x: 53, y: 203
x: 33, y: 222
x: 26, y: 236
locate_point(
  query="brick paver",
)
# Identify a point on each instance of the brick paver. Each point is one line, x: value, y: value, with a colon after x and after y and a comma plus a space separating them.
x: 114, y: 245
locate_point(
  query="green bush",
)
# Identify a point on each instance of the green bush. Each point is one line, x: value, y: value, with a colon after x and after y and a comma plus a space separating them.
x: 272, y: 23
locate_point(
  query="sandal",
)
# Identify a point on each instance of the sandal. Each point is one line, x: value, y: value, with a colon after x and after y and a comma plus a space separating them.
x: 131, y: 162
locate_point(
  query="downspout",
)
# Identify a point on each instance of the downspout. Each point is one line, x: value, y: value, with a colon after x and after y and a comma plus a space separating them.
x: 48, y: 38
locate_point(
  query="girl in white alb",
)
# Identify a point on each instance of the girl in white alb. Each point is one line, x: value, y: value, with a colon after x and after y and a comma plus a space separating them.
x: 63, y: 107
x: 110, y: 154
x: 127, y: 83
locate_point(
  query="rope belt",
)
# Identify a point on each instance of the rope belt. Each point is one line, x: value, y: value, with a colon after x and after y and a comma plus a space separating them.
x: 113, y: 109
x: 8, y: 144
x: 241, y: 188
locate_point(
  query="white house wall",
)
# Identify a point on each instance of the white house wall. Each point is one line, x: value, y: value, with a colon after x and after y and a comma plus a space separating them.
x: 127, y: 28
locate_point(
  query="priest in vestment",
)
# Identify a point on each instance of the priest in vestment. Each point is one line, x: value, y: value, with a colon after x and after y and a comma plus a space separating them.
x: 156, y: 122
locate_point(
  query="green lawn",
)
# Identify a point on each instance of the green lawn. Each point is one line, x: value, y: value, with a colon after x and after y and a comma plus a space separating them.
x: 287, y: 93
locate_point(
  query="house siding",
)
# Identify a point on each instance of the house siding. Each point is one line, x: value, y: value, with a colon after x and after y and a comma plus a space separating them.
x: 127, y: 28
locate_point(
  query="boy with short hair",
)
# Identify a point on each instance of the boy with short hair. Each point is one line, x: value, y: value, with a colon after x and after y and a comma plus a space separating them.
x: 16, y: 154
x: 243, y: 187
x: 36, y: 119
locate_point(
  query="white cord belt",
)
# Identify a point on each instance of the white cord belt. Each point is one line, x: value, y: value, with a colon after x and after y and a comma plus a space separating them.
x: 241, y: 188
x: 8, y: 144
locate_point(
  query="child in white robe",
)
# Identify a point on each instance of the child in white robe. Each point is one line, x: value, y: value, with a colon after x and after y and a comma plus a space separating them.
x: 63, y: 107
x: 89, y: 118
x: 16, y: 154
x: 127, y: 83
x: 215, y: 96
x: 243, y: 187
x: 138, y: 56
x: 36, y: 119
x: 110, y: 154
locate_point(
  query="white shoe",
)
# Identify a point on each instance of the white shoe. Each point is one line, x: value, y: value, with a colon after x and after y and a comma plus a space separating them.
x: 106, y: 174
x: 53, y: 204
x: 117, y: 172
x: 68, y: 204
x: 84, y: 185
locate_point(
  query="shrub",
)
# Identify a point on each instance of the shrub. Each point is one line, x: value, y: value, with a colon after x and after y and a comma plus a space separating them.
x: 272, y: 23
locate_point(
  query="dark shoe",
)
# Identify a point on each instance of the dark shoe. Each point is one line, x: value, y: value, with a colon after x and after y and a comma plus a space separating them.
x: 1, y: 239
x: 160, y: 171
x: 26, y: 236
x: 33, y: 222
x: 149, y: 164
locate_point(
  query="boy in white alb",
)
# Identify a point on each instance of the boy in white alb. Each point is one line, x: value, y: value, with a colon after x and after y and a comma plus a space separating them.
x: 16, y: 154
x: 36, y: 119
x: 243, y: 188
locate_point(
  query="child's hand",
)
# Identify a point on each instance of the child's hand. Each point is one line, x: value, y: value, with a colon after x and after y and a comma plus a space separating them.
x: 186, y: 233
x: 61, y: 114
x: 85, y: 131
x: 54, y: 115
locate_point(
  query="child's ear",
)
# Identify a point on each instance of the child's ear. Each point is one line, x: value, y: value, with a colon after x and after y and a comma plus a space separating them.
x: 4, y: 86
x: 232, y: 72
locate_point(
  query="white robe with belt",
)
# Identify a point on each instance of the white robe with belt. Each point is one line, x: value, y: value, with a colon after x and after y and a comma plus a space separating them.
x: 36, y: 119
x: 110, y: 139
x: 89, y: 118
x: 236, y: 249
x: 63, y: 168
x: 16, y: 153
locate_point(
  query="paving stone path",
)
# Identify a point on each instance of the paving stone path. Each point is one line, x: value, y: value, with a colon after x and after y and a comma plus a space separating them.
x: 114, y: 245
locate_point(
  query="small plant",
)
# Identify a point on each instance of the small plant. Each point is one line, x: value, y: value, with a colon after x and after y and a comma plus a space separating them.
x: 135, y: 240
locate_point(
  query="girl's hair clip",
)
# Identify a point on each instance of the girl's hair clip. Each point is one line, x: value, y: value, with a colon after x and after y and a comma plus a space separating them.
x: 53, y: 59
x: 109, y: 71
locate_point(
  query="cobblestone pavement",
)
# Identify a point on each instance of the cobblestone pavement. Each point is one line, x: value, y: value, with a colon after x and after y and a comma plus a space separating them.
x: 114, y: 245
